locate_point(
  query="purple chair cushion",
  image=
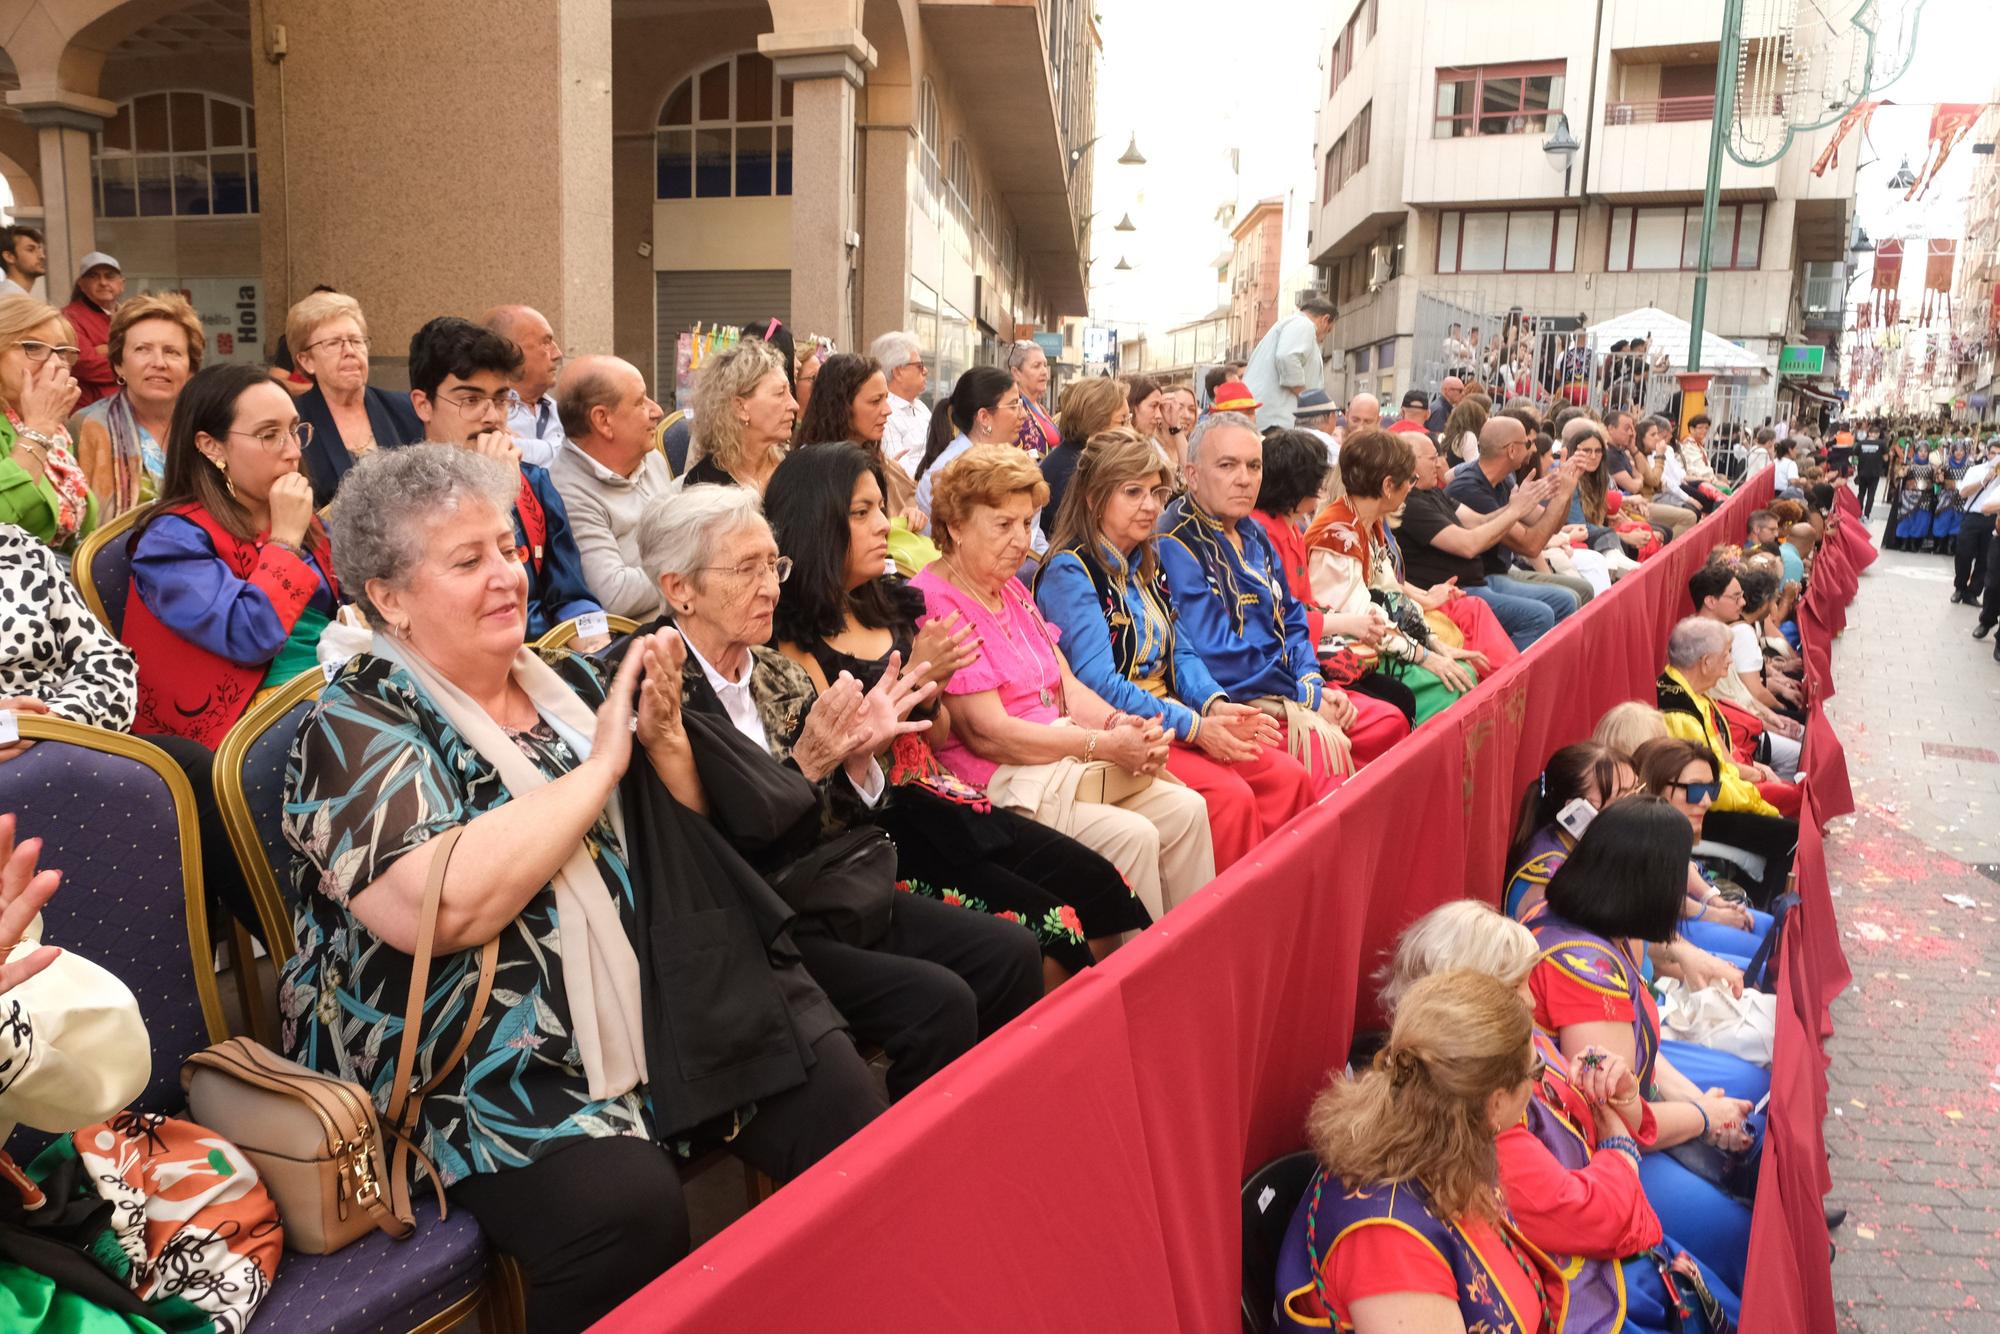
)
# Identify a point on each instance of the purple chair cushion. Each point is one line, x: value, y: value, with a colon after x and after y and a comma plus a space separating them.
x: 378, y: 1284
x: 264, y: 792
x: 111, y: 573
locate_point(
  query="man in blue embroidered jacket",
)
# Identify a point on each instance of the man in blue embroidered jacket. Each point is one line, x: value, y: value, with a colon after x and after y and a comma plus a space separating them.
x: 1231, y: 602
x: 461, y: 378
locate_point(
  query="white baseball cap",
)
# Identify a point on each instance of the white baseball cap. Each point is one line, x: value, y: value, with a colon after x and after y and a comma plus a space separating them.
x: 97, y: 259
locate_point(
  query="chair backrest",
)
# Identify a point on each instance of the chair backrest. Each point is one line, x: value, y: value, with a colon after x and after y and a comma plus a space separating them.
x: 250, y: 789
x: 562, y: 636
x: 660, y: 436
x: 116, y: 816
x: 1269, y: 1197
x: 102, y: 569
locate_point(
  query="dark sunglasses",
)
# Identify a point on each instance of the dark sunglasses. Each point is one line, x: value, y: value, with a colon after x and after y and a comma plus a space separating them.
x: 1697, y: 793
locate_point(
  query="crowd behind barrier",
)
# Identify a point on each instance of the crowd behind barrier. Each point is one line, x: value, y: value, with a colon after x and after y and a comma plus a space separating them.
x: 1130, y: 1106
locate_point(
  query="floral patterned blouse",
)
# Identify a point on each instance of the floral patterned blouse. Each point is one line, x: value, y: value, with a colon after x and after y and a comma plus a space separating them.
x: 377, y: 771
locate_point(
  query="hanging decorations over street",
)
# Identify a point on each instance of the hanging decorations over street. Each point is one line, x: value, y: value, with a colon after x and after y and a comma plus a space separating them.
x: 1950, y: 122
x: 1855, y: 120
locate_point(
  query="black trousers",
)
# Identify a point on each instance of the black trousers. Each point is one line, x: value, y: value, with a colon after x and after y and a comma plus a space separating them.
x: 940, y: 979
x: 1975, y: 534
x: 1865, y: 489
x: 1389, y: 691
x: 219, y: 871
x: 1771, y: 837
x: 599, y: 1219
x: 1989, y: 607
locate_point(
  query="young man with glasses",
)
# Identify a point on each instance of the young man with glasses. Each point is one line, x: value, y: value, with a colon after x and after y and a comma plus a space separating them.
x: 461, y: 385
x: 1718, y: 596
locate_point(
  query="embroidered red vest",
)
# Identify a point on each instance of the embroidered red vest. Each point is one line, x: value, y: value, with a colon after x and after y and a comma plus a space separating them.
x: 184, y: 690
x: 534, y: 525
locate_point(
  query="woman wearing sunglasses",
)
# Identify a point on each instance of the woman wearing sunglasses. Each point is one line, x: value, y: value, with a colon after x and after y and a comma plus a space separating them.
x: 1684, y: 774
x: 232, y: 575
x: 42, y: 488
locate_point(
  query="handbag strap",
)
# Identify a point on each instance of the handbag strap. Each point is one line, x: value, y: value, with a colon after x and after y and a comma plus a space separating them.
x: 404, y: 1103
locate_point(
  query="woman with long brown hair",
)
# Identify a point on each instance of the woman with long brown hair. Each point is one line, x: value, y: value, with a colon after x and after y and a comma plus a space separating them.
x: 232, y: 574
x: 1089, y: 407
x: 1404, y: 1227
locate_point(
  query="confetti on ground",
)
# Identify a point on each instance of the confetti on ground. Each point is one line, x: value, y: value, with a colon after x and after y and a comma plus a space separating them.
x: 1865, y: 1233
x: 1954, y: 1114
x: 1961, y: 900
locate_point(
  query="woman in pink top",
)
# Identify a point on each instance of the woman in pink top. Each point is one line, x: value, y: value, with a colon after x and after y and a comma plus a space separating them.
x: 1022, y: 726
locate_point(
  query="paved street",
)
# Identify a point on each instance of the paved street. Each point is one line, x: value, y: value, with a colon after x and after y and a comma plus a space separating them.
x: 1916, y: 1057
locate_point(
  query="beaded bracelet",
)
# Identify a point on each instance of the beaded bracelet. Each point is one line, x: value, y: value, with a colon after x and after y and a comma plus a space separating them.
x: 1624, y: 1144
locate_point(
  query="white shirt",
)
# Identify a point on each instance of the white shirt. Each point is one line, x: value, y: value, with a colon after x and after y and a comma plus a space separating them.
x: 904, y: 437
x: 1038, y: 541
x: 1986, y: 478
x: 1284, y: 364
x: 741, y: 706
x: 538, y: 434
x: 1788, y: 475
x: 1672, y: 474
x: 9, y: 285
x: 1744, y: 653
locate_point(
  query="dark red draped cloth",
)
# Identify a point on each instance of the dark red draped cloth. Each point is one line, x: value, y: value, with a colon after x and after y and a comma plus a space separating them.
x: 1081, y: 1168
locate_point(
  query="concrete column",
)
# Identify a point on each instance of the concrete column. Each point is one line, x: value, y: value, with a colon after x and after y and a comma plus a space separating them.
x: 826, y: 70
x: 63, y: 123
x: 475, y: 170
x: 885, y: 207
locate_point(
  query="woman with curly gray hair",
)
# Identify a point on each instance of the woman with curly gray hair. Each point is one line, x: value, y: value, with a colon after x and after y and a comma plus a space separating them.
x: 743, y: 417
x: 448, y: 723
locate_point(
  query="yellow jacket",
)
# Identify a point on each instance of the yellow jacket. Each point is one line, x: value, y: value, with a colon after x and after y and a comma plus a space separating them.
x: 1692, y: 717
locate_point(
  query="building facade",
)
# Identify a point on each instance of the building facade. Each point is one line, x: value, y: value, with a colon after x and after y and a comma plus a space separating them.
x: 1256, y: 262
x: 631, y: 167
x: 1432, y: 178
x: 1975, y: 298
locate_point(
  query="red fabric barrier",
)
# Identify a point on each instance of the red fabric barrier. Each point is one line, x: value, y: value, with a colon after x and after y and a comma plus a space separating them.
x: 1081, y: 1168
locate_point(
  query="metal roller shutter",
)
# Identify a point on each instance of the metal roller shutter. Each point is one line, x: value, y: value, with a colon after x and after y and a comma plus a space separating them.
x: 731, y: 296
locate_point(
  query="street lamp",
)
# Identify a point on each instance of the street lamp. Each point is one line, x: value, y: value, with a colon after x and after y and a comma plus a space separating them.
x: 1122, y: 266
x: 1125, y: 224
x: 1561, y: 148
x: 1132, y: 157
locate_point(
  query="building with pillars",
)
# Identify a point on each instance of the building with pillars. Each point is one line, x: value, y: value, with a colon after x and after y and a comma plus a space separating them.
x: 1433, y: 181
x: 629, y: 167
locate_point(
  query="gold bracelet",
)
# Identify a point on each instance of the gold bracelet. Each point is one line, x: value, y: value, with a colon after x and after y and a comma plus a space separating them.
x: 1089, y: 746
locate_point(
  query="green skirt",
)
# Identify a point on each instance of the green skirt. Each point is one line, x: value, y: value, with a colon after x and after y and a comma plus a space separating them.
x: 300, y: 653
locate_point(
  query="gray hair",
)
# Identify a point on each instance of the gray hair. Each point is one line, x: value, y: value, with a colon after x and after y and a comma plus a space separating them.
x: 1216, y: 421
x: 895, y: 350
x: 1019, y: 354
x: 1694, y: 639
x: 679, y: 535
x: 725, y: 378
x: 383, y: 512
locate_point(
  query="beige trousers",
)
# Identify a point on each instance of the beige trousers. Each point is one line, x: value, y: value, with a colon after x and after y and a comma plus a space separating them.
x: 1158, y: 837
x: 1672, y: 516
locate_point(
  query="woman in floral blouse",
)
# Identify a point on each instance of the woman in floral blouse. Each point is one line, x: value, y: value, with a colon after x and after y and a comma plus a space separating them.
x: 552, y: 1132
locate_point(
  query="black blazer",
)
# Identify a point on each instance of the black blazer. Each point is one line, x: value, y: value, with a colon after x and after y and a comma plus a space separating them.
x: 326, y: 459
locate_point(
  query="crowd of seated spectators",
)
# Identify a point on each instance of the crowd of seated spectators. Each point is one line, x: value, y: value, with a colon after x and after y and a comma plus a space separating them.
x: 909, y: 719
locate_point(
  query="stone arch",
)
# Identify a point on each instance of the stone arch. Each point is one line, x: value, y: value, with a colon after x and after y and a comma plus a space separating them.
x: 890, y: 27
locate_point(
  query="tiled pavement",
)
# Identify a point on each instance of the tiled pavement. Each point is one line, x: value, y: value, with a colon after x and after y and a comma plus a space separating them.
x: 1915, y: 1134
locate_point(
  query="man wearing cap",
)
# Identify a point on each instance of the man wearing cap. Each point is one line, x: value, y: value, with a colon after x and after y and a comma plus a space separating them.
x: 1416, y: 407
x: 1287, y: 363
x: 100, y: 284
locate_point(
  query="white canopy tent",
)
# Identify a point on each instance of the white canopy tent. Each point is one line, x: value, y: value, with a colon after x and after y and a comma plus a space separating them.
x: 1669, y: 334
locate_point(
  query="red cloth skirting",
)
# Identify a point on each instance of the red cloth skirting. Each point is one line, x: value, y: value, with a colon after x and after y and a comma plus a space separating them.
x: 1481, y: 628
x: 1247, y: 800
x: 1187, y: 1059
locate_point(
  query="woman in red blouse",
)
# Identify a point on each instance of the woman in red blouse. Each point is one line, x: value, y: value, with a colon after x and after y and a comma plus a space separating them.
x: 1404, y: 1227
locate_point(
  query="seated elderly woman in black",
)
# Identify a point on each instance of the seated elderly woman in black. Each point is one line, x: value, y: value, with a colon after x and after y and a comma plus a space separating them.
x: 603, y: 1042
x: 924, y: 979
x: 839, y: 612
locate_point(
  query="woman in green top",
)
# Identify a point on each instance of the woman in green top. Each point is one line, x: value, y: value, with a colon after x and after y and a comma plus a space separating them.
x: 41, y: 487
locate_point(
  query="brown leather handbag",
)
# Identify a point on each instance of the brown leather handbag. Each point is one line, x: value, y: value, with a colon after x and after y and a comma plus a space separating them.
x: 317, y: 1141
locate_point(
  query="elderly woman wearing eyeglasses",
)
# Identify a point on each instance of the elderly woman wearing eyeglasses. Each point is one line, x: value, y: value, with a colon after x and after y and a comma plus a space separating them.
x: 232, y: 575
x: 328, y: 336
x: 42, y: 487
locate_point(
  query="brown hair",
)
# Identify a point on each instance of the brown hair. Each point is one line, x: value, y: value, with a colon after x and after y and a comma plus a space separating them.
x: 1659, y: 762
x: 982, y: 475
x: 1419, y: 1113
x: 1138, y: 389
x: 1110, y: 460
x: 1088, y: 407
x: 169, y: 306
x: 1371, y: 459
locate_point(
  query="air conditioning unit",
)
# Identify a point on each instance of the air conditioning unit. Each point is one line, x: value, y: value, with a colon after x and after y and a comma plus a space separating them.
x: 1380, y: 258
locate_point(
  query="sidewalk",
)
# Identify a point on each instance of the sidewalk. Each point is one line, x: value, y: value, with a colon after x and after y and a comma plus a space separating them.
x: 1915, y: 1132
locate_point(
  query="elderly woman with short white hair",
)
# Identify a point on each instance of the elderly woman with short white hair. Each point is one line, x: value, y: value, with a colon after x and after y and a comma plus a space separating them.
x: 559, y: 1129
x: 743, y: 417
x: 1029, y: 366
x: 923, y: 978
x: 328, y: 336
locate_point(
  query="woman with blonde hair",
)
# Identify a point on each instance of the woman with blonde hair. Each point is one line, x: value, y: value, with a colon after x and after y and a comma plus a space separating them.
x: 1404, y: 1227
x: 1089, y: 408
x: 1627, y: 726
x: 42, y: 487
x: 1100, y: 585
x: 1569, y: 1169
x: 743, y: 417
x: 156, y: 343
x: 328, y: 336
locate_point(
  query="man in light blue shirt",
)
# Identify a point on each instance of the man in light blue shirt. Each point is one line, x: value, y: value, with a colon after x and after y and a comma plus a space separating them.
x: 1287, y: 362
x: 531, y: 412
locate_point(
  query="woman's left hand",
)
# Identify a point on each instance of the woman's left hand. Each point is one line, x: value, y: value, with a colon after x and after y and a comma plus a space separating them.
x: 663, y: 654
x: 1435, y: 597
x: 884, y: 713
x: 916, y: 520
x: 1455, y: 677
x: 23, y: 891
x: 1604, y: 1078
x: 1472, y: 658
x: 1247, y: 722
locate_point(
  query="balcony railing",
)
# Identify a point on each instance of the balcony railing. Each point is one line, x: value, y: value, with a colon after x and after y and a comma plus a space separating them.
x: 1669, y: 110
x: 1825, y: 293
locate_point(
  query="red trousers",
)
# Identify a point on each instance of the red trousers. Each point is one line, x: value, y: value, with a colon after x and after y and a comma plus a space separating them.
x: 1785, y: 796
x: 1378, y: 724
x: 1481, y: 628
x: 1249, y: 799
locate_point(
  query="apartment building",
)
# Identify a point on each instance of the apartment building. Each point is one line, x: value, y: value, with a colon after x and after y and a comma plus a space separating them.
x: 1433, y: 180
x: 1256, y: 260
x: 1975, y: 298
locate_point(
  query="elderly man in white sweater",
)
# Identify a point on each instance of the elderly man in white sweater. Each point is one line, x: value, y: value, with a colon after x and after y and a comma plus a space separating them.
x: 609, y: 473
